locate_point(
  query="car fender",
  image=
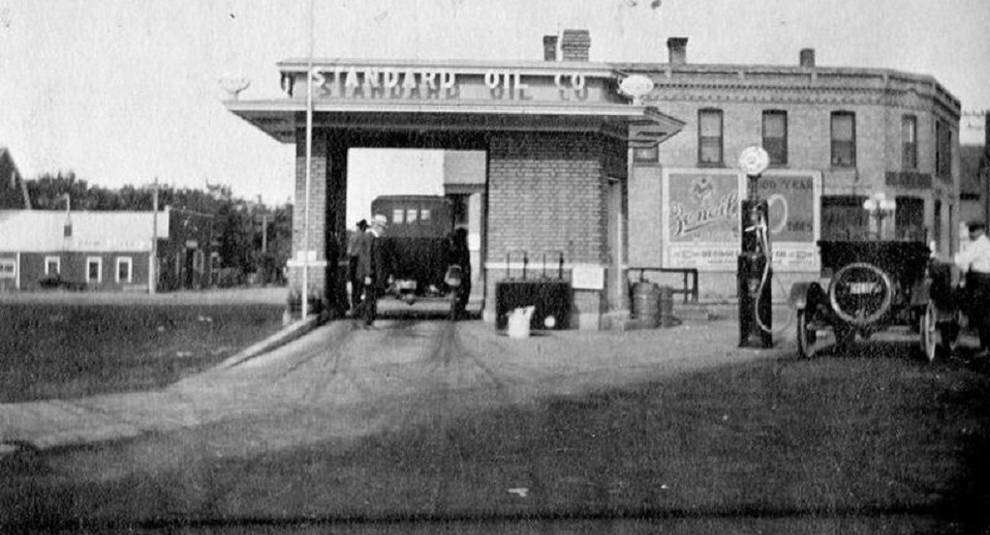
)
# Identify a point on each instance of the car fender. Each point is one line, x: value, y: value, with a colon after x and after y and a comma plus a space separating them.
x: 805, y: 294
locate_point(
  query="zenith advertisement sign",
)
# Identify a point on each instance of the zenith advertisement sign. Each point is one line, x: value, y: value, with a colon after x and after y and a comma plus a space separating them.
x: 373, y: 82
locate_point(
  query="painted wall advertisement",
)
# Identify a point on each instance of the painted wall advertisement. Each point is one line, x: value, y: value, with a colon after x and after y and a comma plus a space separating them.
x: 701, y: 218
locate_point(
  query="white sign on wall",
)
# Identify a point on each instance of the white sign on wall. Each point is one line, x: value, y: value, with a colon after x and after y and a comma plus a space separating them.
x: 588, y: 277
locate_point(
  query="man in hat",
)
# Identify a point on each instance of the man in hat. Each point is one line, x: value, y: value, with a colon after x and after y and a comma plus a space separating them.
x: 370, y: 270
x: 352, y: 261
x: 974, y: 261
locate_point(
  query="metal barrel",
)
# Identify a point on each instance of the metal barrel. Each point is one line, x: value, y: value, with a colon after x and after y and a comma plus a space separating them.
x: 666, y: 306
x: 645, y: 302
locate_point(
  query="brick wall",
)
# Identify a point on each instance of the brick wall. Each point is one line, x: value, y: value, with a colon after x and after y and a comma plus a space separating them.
x: 547, y: 193
x: 317, y: 213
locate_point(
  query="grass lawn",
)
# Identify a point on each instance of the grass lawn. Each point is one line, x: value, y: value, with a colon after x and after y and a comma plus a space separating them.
x: 52, y: 350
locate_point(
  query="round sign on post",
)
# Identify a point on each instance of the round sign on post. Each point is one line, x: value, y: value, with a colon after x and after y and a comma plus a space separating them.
x: 754, y: 160
x: 636, y: 86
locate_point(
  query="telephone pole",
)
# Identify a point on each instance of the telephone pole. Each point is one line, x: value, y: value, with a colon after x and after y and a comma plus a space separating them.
x: 153, y: 261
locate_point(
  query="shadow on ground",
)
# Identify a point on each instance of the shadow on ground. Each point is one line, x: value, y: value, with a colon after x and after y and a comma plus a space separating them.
x: 846, y: 444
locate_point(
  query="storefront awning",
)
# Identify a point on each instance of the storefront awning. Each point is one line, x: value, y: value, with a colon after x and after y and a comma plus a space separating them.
x: 641, y: 126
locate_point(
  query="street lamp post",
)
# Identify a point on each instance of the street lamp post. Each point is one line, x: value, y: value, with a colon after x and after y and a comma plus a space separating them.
x: 879, y: 207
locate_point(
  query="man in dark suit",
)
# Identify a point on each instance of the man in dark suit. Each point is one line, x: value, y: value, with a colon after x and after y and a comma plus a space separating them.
x: 371, y: 269
x: 352, y: 262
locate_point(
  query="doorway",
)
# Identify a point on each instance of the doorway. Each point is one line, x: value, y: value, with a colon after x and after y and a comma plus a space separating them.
x: 424, y: 194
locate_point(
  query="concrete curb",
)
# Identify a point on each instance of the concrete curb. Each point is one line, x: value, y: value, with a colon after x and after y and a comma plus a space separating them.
x: 289, y: 333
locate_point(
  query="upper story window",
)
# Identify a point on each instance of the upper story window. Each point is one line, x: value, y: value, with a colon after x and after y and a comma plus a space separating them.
x: 710, y: 137
x: 909, y: 142
x: 775, y: 136
x: 943, y: 149
x: 843, y: 139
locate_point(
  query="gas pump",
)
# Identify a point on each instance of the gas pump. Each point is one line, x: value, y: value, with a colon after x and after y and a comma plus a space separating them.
x: 753, y: 271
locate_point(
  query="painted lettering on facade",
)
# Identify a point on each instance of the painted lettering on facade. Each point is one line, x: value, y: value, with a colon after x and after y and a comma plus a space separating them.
x: 701, y: 218
x: 359, y: 82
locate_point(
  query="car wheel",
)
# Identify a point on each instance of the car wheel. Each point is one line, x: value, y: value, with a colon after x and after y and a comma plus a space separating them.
x: 860, y: 293
x: 930, y: 334
x: 806, y: 335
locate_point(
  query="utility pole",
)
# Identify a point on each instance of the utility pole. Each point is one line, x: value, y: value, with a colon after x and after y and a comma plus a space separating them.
x: 985, y: 168
x: 309, y: 166
x: 153, y: 261
x: 264, y: 232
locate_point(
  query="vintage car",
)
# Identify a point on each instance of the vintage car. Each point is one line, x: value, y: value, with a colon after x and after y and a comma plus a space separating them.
x: 415, y: 243
x: 866, y: 287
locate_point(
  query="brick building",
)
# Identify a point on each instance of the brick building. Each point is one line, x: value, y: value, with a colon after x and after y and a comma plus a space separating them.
x: 851, y: 132
x: 618, y: 165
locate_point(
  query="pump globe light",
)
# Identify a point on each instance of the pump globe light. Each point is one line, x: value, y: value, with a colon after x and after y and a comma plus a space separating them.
x: 753, y: 160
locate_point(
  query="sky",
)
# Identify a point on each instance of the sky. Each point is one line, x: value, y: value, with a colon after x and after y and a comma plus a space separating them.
x: 123, y: 92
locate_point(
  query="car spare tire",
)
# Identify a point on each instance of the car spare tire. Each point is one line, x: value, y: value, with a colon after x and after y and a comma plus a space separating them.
x: 860, y: 293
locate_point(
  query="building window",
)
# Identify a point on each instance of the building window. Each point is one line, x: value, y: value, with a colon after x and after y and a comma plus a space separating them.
x: 775, y: 136
x: 53, y: 265
x: 8, y: 268
x: 124, y: 265
x: 646, y: 154
x: 411, y: 215
x: 710, y: 137
x: 94, y: 269
x: 843, y: 218
x: 937, y: 222
x: 909, y: 219
x: 909, y: 142
x: 843, y: 139
x: 424, y: 215
x: 943, y: 149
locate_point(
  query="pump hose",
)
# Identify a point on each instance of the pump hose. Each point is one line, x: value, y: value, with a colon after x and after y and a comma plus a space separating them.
x: 761, y: 231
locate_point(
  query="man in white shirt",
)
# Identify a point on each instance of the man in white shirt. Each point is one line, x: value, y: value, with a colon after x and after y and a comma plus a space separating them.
x: 974, y: 261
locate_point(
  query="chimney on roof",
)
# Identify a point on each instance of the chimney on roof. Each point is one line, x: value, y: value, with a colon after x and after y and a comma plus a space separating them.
x: 807, y: 57
x: 574, y: 45
x: 677, y: 50
x: 549, y: 48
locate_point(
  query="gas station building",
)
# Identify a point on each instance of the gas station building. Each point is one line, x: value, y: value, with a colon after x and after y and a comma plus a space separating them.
x: 620, y: 166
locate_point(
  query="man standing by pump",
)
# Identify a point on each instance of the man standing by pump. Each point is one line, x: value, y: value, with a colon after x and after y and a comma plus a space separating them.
x: 974, y: 261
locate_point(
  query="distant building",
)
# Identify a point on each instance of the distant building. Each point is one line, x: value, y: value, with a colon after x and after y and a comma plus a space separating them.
x: 189, y: 258
x: 87, y: 250
x: 13, y: 190
x: 973, y: 167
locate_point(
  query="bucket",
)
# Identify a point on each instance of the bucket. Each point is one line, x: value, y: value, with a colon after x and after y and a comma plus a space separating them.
x: 519, y: 322
x: 666, y: 306
x: 644, y: 304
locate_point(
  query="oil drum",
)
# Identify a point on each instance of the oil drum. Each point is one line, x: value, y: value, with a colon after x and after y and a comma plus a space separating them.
x: 645, y: 303
x: 666, y: 306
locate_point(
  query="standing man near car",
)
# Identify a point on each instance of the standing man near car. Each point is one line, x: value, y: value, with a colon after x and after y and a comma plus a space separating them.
x: 352, y: 262
x: 371, y: 267
x: 974, y: 261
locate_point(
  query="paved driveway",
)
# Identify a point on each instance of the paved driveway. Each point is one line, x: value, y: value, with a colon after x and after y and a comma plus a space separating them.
x: 344, y: 381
